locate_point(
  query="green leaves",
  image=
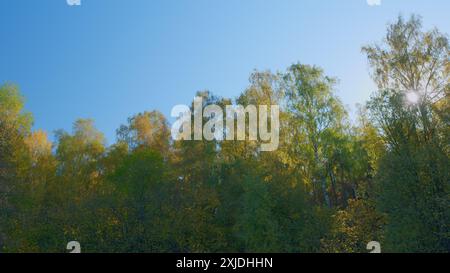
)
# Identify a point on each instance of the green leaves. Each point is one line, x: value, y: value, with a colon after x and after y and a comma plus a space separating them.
x: 413, y: 186
x: 331, y: 186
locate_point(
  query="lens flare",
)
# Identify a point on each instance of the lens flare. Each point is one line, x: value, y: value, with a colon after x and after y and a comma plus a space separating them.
x: 412, y: 97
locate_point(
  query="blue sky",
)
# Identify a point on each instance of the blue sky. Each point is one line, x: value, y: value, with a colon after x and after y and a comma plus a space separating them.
x: 110, y: 59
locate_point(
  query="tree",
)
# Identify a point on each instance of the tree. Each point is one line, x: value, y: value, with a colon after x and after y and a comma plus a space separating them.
x: 15, y: 123
x: 148, y: 129
x: 330, y: 186
x: 411, y: 70
x: 140, y: 198
x: 353, y: 227
x: 411, y: 60
x: 317, y: 116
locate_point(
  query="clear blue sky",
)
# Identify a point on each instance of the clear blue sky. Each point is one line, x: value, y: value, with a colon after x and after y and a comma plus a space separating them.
x: 110, y: 59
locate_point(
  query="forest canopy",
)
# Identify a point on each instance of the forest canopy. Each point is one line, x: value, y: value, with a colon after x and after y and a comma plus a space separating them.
x: 331, y: 186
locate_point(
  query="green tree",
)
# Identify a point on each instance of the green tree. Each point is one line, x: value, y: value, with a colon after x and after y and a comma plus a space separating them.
x: 15, y: 124
x: 411, y: 69
x: 317, y: 118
